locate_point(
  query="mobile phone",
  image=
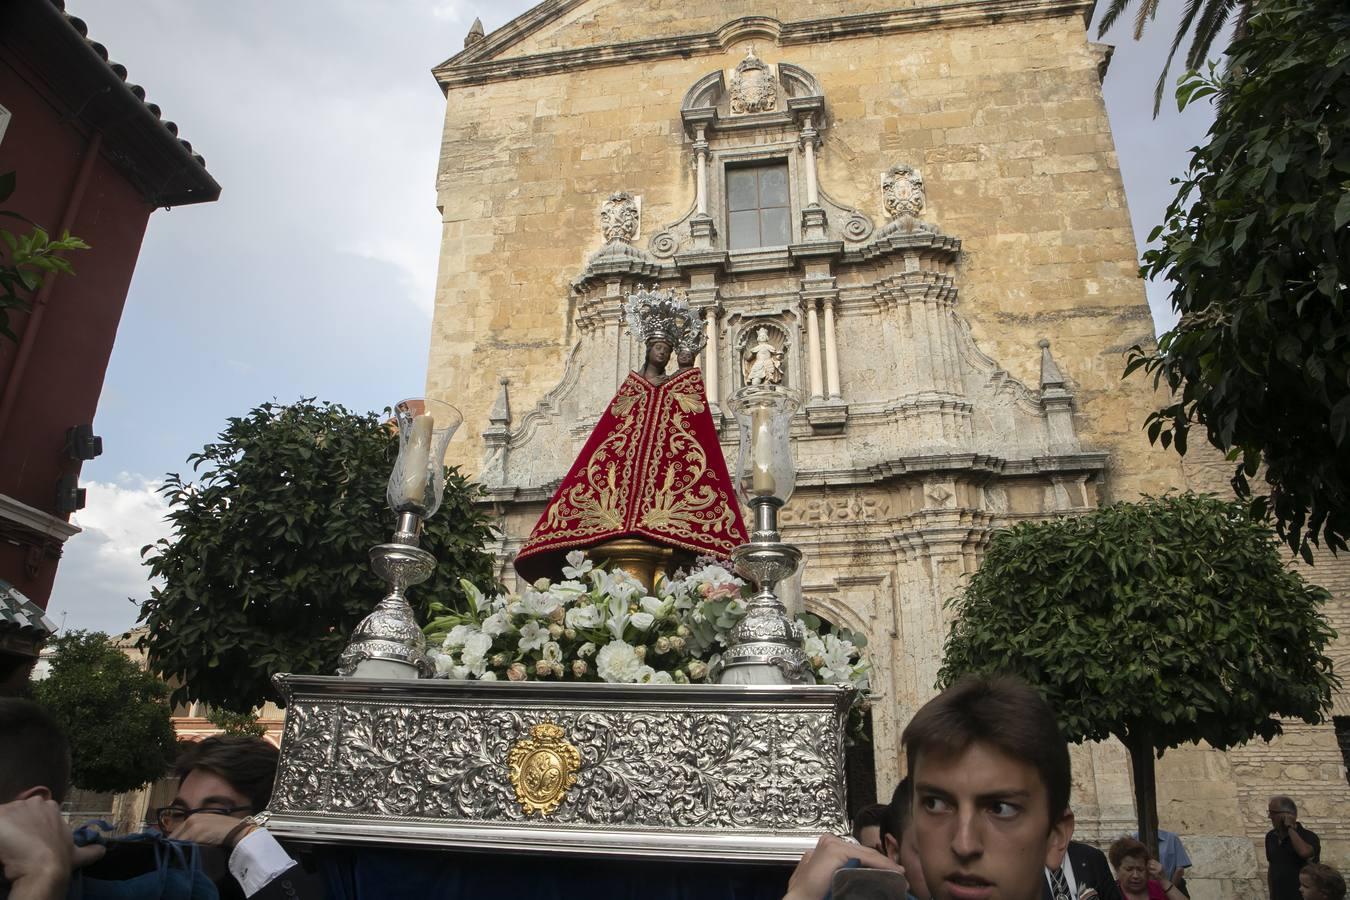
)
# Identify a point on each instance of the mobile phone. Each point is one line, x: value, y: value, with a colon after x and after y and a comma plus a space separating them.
x: 858, y: 883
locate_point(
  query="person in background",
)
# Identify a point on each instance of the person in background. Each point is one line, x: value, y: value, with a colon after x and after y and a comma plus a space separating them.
x: 223, y: 781
x: 1083, y: 876
x: 1140, y: 877
x: 1289, y: 847
x: 897, y: 835
x: 1319, y: 882
x: 867, y: 826
x: 1174, y: 858
x: 37, y: 852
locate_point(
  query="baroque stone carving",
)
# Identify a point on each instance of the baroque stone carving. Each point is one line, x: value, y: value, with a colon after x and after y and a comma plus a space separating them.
x: 752, y: 86
x: 619, y: 217
x: 904, y: 196
x: 762, y: 356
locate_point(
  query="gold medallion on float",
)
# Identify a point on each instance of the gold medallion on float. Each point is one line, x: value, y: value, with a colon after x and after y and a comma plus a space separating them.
x: 543, y: 767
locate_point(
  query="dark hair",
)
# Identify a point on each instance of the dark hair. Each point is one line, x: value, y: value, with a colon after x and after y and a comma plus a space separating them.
x: 1325, y: 879
x: 872, y: 814
x: 248, y: 763
x: 1003, y: 712
x: 34, y: 751
x: 898, y: 810
x: 1286, y: 804
x: 1125, y: 848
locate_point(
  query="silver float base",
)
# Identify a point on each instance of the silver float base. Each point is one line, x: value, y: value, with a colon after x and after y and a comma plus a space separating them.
x: 736, y: 773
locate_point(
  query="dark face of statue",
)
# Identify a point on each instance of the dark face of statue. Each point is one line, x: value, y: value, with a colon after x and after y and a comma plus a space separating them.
x: 684, y: 358
x: 658, y: 354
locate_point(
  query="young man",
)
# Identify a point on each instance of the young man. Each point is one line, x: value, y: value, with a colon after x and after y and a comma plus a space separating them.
x: 868, y: 824
x: 897, y: 834
x: 37, y: 852
x: 990, y: 774
x: 224, y: 781
x: 990, y: 770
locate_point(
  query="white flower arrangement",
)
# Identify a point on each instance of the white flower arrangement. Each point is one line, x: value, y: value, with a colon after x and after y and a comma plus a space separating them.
x: 599, y: 625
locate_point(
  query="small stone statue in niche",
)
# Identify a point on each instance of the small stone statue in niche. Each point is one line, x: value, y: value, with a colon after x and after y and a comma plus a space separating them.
x: 763, y: 360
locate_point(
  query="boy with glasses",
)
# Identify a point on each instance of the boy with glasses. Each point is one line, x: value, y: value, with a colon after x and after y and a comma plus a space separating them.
x: 224, y: 780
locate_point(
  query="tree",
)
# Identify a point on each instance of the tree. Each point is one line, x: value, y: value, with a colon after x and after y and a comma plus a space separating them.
x: 31, y: 258
x: 1167, y: 621
x: 1206, y: 18
x: 115, y: 714
x: 267, y: 569
x: 1257, y: 250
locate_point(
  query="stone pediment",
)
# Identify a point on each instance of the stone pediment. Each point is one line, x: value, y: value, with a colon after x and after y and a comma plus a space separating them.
x: 564, y: 35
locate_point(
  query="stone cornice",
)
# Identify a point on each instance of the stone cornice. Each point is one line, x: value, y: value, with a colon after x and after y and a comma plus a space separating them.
x: 35, y: 520
x: 476, y: 65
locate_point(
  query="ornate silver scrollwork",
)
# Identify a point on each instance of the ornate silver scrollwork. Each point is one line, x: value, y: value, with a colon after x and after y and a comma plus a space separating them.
x: 703, y: 770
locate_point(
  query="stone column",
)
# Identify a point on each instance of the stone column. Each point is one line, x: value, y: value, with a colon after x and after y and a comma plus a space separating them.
x: 701, y: 156
x: 809, y: 135
x: 710, y: 356
x: 813, y: 350
x: 831, y: 352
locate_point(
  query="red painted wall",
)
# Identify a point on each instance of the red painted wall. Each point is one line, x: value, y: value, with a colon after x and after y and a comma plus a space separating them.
x: 60, y: 384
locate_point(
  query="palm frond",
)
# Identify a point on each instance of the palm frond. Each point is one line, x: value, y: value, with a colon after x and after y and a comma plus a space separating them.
x: 1192, y: 9
x: 1113, y: 12
x: 1207, y: 29
x: 1147, y: 11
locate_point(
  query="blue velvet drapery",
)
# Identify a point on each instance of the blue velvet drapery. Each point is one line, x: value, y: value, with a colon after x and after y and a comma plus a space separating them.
x: 375, y: 874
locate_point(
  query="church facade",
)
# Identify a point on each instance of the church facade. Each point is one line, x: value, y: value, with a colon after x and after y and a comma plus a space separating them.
x: 909, y: 214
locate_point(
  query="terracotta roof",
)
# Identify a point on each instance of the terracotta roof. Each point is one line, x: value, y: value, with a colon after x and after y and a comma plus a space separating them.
x: 137, y: 139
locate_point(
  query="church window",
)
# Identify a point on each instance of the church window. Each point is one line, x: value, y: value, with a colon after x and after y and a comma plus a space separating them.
x: 758, y: 207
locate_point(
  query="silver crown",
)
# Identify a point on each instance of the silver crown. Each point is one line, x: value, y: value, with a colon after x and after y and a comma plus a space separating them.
x: 656, y: 315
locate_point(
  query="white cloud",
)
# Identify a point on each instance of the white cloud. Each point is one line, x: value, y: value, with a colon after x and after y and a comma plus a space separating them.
x: 101, y: 567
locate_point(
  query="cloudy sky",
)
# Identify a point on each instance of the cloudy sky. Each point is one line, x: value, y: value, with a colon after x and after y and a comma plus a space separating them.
x: 313, y: 274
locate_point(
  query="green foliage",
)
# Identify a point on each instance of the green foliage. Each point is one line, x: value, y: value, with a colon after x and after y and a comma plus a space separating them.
x: 115, y: 714
x: 267, y: 570
x: 236, y: 723
x: 1256, y: 246
x: 1173, y: 617
x: 1203, y: 19
x: 31, y: 258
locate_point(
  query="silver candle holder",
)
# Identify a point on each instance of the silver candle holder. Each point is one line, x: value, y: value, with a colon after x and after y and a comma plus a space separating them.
x: 766, y: 645
x: 388, y: 643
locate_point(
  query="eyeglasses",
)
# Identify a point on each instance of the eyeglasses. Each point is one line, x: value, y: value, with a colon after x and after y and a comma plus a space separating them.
x: 170, y: 817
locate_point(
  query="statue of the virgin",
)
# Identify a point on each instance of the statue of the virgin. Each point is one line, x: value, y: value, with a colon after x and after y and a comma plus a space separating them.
x: 650, y: 488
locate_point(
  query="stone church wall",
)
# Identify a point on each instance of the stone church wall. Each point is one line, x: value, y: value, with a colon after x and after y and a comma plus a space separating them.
x: 1001, y: 111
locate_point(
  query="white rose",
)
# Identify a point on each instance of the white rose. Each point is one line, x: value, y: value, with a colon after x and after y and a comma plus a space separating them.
x: 662, y: 678
x: 583, y: 617
x: 642, y: 621
x: 586, y: 649
x: 617, y: 663
x: 476, y: 650
x: 552, y: 652
x: 458, y: 635
x: 657, y: 608
x: 488, y: 676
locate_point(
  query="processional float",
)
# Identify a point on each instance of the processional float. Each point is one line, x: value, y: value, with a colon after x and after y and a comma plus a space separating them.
x: 749, y: 769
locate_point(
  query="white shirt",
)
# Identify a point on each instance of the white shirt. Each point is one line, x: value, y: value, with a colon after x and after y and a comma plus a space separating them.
x: 257, y: 860
x: 1067, y: 869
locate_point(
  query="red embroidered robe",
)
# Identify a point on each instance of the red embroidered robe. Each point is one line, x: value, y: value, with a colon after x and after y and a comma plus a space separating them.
x: 652, y: 468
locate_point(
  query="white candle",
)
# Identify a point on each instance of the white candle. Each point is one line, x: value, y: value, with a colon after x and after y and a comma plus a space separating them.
x: 761, y: 452
x: 416, y: 460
